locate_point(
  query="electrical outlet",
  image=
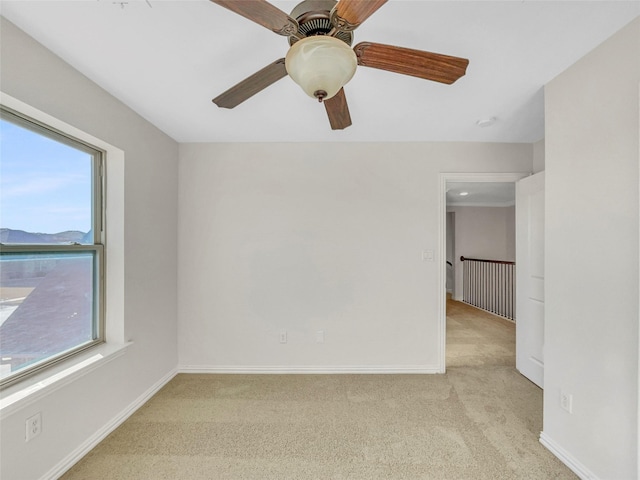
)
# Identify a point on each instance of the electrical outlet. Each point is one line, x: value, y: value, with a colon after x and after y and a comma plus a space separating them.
x: 566, y: 401
x: 33, y: 426
x: 320, y: 336
x: 283, y: 336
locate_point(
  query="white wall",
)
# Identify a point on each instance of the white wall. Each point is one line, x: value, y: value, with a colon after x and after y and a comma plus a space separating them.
x: 591, y: 337
x: 538, y: 156
x: 74, y: 413
x: 308, y: 237
x: 482, y: 232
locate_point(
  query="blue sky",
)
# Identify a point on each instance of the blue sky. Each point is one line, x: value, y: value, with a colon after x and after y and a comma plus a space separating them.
x: 45, y: 186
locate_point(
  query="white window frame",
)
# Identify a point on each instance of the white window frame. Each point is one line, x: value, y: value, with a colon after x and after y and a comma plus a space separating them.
x: 96, y: 249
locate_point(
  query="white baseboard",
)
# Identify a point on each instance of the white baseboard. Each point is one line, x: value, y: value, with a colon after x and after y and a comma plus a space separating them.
x: 565, y: 457
x: 330, y: 369
x: 71, y: 459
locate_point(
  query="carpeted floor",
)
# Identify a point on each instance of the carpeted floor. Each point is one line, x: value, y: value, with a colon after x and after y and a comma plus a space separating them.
x: 477, y: 338
x: 479, y: 421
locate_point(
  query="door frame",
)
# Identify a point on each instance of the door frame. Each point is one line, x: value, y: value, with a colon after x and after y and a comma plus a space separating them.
x: 442, y: 247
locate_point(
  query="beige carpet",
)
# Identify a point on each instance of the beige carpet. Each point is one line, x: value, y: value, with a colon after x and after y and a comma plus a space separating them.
x: 475, y: 422
x: 476, y: 337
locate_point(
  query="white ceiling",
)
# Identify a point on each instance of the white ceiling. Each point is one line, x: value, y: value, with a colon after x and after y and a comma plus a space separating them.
x: 167, y: 59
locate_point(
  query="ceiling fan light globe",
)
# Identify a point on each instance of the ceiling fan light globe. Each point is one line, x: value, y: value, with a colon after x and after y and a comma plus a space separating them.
x: 321, y: 63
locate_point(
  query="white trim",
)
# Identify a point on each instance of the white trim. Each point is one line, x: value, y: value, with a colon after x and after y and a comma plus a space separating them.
x: 310, y: 369
x: 442, y: 229
x: 565, y: 457
x: 41, y: 384
x: 70, y: 460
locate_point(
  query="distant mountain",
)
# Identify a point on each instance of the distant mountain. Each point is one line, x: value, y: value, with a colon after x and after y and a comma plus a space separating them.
x: 7, y: 235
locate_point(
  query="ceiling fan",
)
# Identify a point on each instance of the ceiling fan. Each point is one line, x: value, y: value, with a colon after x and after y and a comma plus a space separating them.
x: 320, y: 58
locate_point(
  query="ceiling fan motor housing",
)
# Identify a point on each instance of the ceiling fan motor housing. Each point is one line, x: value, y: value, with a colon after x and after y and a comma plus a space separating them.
x: 314, y: 18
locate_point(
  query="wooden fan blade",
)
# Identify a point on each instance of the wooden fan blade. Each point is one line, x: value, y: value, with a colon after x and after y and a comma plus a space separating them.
x: 263, y: 13
x: 349, y: 14
x: 427, y: 65
x: 338, y: 111
x: 252, y: 85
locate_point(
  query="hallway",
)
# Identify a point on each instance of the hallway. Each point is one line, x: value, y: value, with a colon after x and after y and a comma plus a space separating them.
x: 477, y: 338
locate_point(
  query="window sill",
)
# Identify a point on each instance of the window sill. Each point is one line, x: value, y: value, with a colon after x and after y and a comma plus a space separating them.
x: 34, y: 388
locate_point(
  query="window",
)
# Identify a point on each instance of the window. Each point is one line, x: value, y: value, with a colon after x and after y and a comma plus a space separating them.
x: 51, y: 251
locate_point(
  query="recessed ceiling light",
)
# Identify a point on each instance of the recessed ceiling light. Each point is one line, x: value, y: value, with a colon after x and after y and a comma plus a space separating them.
x: 486, y: 122
x: 464, y: 194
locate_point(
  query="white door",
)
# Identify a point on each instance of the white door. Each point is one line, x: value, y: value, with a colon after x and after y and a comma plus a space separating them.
x: 530, y: 278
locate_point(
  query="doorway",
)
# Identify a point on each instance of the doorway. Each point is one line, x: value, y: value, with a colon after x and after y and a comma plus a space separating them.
x: 483, y: 319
